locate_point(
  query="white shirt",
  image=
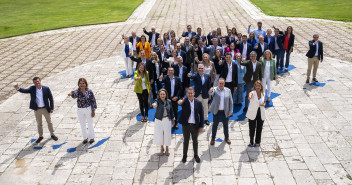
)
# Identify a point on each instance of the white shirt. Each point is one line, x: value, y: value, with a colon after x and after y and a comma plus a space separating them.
x: 262, y: 46
x: 134, y: 43
x: 162, y: 55
x: 157, y: 65
x: 276, y: 45
x: 143, y: 84
x: 203, y: 79
x: 181, y: 72
x: 191, y: 117
x: 267, y: 70
x: 187, y: 46
x: 153, y: 39
x: 233, y: 54
x: 222, y: 99
x: 39, y: 97
x: 190, y: 35
x: 144, y: 61
x: 316, y: 52
x: 244, y: 51
x: 254, y: 66
x: 229, y: 73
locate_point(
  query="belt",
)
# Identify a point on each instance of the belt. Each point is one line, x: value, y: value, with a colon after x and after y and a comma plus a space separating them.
x: 41, y: 107
x: 165, y: 116
x: 220, y: 110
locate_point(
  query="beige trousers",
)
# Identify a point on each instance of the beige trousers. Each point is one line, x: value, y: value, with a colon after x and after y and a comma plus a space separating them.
x: 205, y: 106
x: 312, y: 62
x: 38, y: 116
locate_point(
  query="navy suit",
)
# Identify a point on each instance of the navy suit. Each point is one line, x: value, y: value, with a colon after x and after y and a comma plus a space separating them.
x: 137, y: 39
x: 183, y: 54
x: 249, y: 49
x: 228, y: 42
x: 150, y: 35
x: 259, y: 50
x: 272, y: 40
x: 47, y: 97
x: 185, y: 79
x: 225, y: 70
x: 177, y: 91
x: 209, y: 41
x: 203, y: 37
x: 313, y: 49
x: 201, y: 88
x: 164, y: 64
x: 199, y: 52
x: 185, y: 34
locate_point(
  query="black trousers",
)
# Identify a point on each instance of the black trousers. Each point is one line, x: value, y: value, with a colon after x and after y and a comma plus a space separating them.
x: 230, y: 86
x: 175, y: 109
x: 143, y: 102
x: 255, y: 127
x: 190, y: 130
x: 155, y: 90
x: 249, y: 87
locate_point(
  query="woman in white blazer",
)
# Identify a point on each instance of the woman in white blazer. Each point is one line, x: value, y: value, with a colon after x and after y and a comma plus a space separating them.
x: 256, y: 113
x: 126, y: 52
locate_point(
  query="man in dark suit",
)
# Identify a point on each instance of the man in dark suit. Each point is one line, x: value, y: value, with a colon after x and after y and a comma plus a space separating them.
x: 200, y: 36
x: 147, y: 62
x: 229, y: 73
x: 201, y: 49
x: 153, y: 36
x: 134, y: 39
x: 163, y: 55
x: 260, y: 47
x: 253, y: 73
x: 192, y: 121
x: 315, y: 54
x: 278, y: 47
x: 189, y: 49
x: 210, y: 37
x: 245, y: 48
x: 189, y: 32
x: 268, y: 38
x: 229, y: 37
x: 173, y: 87
x: 181, y: 71
x: 212, y: 48
x: 42, y: 103
x: 202, y: 85
x: 181, y: 52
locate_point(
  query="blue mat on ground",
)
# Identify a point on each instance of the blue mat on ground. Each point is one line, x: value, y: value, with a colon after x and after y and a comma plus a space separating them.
x: 318, y: 84
x: 331, y: 80
x: 290, y: 67
x: 123, y: 74
x: 219, y: 140
x: 37, y: 148
x: 69, y: 150
x: 58, y: 146
x: 32, y: 140
x: 99, y: 143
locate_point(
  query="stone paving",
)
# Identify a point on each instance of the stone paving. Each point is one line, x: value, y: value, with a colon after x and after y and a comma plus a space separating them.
x: 307, y: 136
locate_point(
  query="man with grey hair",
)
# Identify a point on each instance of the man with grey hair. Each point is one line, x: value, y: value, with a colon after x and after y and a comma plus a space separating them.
x: 222, y: 109
x: 214, y: 47
x: 189, y: 49
x: 253, y: 73
x: 211, y: 36
x: 315, y: 54
x: 134, y: 39
x: 153, y: 36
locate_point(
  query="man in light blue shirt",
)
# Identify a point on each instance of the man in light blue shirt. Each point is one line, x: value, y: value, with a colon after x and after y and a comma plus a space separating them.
x: 258, y: 31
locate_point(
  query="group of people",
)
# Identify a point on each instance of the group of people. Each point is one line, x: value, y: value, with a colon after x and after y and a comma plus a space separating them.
x: 221, y: 68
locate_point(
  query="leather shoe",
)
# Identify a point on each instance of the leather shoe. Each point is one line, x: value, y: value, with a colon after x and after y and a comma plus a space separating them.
x: 206, y: 122
x: 212, y: 142
x: 197, y: 158
x: 227, y: 141
x: 91, y: 141
x: 245, y: 109
x: 184, y: 159
x: 315, y: 80
x: 54, y: 138
x: 39, y: 139
x: 85, y: 141
x: 307, y: 81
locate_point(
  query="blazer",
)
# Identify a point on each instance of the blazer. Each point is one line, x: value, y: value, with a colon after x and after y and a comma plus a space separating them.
x: 212, y: 50
x: 138, y: 39
x: 146, y: 48
x: 186, y: 112
x: 138, y: 86
x: 47, y: 97
x: 123, y: 54
x: 291, y: 41
x: 177, y: 89
x: 212, y: 73
x: 161, y: 66
x: 185, y: 78
x: 313, y: 48
x: 150, y: 35
x: 259, y: 49
x: 257, y: 74
x: 160, y: 110
x: 228, y: 102
x: 225, y: 70
x: 189, y: 54
x: 199, y: 52
x: 253, y: 107
x: 273, y: 70
x: 149, y: 65
x: 228, y: 42
x: 183, y: 54
x: 202, y: 37
x: 185, y: 34
x: 249, y: 49
x: 218, y: 67
x: 279, y: 40
x: 164, y: 63
x: 199, y: 88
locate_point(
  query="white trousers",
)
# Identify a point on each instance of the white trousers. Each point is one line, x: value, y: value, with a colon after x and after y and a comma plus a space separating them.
x: 162, y: 132
x: 129, y: 66
x: 267, y: 84
x: 216, y: 80
x: 205, y: 106
x: 85, y: 115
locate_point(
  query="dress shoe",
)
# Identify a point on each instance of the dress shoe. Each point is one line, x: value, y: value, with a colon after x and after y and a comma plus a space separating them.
x: 206, y: 122
x: 315, y: 80
x: 245, y: 109
x: 54, y: 138
x: 197, y: 158
x: 286, y: 69
x: 184, y: 159
x: 91, y: 141
x: 39, y: 139
x: 85, y: 141
x: 212, y: 142
x: 307, y: 81
x: 228, y: 141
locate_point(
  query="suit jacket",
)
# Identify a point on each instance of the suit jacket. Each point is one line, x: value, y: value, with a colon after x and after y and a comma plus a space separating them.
x: 160, y: 69
x: 259, y: 50
x: 249, y: 49
x: 199, y: 88
x: 272, y: 39
x: 150, y: 66
x: 183, y: 54
x: 165, y: 65
x: 228, y: 42
x: 291, y: 41
x: 47, y: 97
x: 199, y: 52
x: 209, y: 37
x: 185, y: 79
x: 313, y: 48
x: 150, y: 35
x: 189, y: 54
x: 203, y: 38
x: 185, y: 34
x: 138, y: 39
x: 212, y: 49
x: 257, y: 74
x: 225, y: 70
x: 123, y: 54
x: 280, y: 41
x: 228, y: 102
x: 186, y: 112
x: 177, y: 89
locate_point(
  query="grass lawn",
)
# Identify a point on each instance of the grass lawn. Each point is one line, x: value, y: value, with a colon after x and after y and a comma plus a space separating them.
x: 339, y: 10
x: 18, y: 17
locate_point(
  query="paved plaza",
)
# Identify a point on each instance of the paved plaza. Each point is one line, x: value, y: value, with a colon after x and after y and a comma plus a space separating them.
x: 307, y: 136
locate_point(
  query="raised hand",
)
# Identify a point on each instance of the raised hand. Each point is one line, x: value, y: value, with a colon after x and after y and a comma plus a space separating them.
x: 70, y: 94
x: 180, y: 101
x: 155, y: 105
x: 189, y: 75
x: 16, y: 86
x: 161, y: 76
x: 220, y: 62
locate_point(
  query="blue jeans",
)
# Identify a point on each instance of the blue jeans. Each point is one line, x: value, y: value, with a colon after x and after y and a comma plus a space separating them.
x: 238, y: 95
x: 225, y: 121
x: 279, y: 58
x: 287, y: 63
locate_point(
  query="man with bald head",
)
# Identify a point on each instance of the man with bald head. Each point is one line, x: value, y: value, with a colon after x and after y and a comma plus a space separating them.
x: 260, y: 47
